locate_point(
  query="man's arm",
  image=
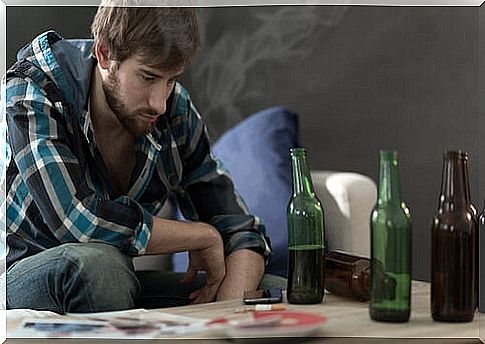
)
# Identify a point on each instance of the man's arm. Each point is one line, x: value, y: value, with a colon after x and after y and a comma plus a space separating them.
x: 47, y: 152
x: 210, y: 197
x: 206, y: 251
x: 244, y: 270
x: 170, y: 236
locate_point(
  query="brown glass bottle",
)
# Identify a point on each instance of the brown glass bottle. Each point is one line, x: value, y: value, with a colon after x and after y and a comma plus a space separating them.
x: 347, y: 275
x: 464, y: 159
x: 453, y: 245
x: 481, y: 259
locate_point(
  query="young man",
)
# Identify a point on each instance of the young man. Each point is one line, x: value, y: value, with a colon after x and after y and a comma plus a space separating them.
x: 101, y: 135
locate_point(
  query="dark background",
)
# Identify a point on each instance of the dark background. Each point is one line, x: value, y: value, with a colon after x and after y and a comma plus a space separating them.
x: 361, y: 78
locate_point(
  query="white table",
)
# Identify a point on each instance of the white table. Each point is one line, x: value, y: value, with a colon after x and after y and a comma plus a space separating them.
x: 348, y: 322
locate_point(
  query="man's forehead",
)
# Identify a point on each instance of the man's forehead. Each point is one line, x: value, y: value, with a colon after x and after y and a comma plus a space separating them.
x: 143, y: 65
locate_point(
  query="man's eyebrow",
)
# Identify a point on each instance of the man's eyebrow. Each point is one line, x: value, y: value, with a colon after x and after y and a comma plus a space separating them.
x: 152, y: 74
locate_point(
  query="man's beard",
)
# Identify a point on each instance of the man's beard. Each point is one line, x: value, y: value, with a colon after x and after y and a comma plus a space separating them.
x: 130, y: 122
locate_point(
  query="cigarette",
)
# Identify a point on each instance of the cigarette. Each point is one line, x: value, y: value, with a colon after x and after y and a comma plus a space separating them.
x: 261, y: 308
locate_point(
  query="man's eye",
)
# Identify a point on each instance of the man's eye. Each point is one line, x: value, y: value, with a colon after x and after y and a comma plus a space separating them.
x: 172, y: 81
x: 147, y: 78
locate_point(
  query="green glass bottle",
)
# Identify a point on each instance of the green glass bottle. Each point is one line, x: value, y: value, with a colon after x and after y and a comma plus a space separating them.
x: 306, y: 261
x: 390, y: 247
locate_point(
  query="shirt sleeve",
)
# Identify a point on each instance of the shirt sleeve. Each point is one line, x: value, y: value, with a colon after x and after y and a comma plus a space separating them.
x: 213, y: 195
x: 45, y: 153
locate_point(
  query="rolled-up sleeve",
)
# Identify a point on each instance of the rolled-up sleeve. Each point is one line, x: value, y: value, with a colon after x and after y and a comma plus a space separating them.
x: 213, y: 195
x: 55, y: 176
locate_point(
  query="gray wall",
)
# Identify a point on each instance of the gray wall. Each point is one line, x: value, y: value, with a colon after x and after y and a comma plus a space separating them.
x: 24, y: 23
x: 361, y: 78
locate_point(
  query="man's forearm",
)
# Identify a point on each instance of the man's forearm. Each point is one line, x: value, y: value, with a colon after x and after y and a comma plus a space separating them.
x: 169, y: 236
x: 244, y: 270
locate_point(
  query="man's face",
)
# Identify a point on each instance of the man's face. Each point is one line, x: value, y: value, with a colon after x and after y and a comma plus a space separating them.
x: 137, y: 94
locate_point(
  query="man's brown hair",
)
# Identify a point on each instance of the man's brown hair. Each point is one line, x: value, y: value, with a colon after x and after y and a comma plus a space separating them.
x: 165, y: 37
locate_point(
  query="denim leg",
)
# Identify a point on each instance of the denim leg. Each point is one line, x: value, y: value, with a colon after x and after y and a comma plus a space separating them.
x: 162, y: 289
x: 273, y: 281
x: 84, y: 277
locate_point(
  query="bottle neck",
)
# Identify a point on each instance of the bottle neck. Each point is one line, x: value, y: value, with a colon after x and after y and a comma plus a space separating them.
x: 455, y: 190
x: 302, y: 182
x: 464, y: 160
x: 389, y: 188
x: 482, y: 215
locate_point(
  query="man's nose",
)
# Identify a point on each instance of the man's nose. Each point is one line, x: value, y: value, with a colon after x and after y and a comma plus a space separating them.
x: 158, y: 99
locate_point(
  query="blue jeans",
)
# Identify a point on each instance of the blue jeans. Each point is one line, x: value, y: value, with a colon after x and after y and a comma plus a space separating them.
x: 96, y: 277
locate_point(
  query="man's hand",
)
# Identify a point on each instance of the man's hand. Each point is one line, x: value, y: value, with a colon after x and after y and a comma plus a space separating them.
x: 206, y: 252
x: 244, y: 270
x: 211, y: 260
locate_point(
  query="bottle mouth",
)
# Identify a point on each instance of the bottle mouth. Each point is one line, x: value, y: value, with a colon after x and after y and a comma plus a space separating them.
x: 456, y: 154
x: 297, y: 151
x: 388, y: 154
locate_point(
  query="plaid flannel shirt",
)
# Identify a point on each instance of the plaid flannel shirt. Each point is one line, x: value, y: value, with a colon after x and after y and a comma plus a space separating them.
x: 58, y: 189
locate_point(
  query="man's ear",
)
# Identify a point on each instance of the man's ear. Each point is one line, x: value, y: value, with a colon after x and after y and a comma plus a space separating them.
x: 102, y: 55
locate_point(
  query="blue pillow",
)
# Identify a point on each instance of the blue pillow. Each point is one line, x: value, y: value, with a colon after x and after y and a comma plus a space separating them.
x: 256, y: 152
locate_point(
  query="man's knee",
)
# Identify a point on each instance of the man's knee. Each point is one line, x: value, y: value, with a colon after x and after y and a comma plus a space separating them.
x: 99, y: 262
x: 107, y: 277
x: 79, y: 278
